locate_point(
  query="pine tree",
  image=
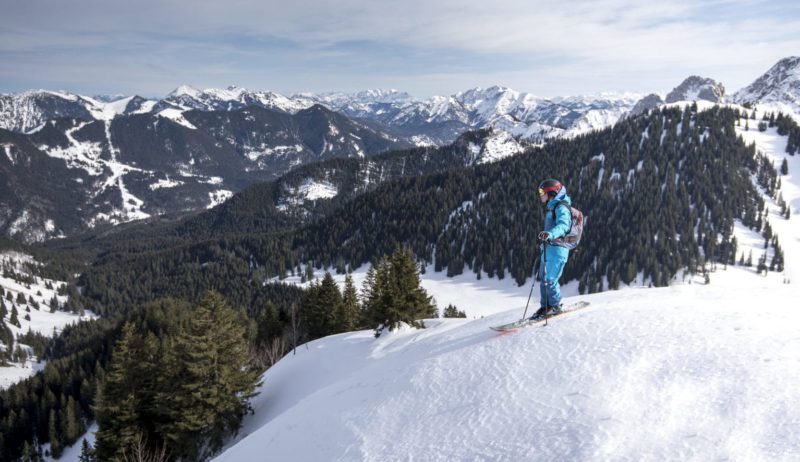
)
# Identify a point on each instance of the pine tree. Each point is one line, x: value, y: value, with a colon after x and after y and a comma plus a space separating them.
x: 123, y: 396
x: 269, y: 325
x: 55, y: 442
x: 14, y: 319
x: 72, y: 426
x: 3, y: 309
x: 367, y: 295
x: 762, y: 264
x: 452, y: 312
x: 413, y: 302
x: 87, y: 452
x: 784, y: 167
x: 350, y: 309
x: 328, y: 308
x: 211, y: 380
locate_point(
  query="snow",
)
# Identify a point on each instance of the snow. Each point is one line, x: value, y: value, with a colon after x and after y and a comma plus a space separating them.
x: 7, y: 148
x: 774, y: 147
x: 422, y: 141
x: 79, y: 154
x: 42, y: 320
x: 176, y: 115
x: 687, y: 372
x: 310, y: 189
x: 636, y: 376
x: 499, y: 146
x: 73, y: 453
x: 165, y: 183
x: 217, y: 197
x: 255, y: 154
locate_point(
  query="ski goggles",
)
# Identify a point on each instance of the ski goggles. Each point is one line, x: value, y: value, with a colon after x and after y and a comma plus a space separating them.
x: 553, y: 188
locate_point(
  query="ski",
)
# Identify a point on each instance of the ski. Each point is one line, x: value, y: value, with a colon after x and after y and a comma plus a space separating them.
x: 522, y: 323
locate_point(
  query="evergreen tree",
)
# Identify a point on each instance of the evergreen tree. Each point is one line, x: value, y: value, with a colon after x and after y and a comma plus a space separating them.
x: 350, y: 309
x: 784, y: 167
x: 413, y: 300
x: 72, y: 426
x: 329, y: 301
x: 452, y: 312
x: 209, y: 380
x: 14, y: 319
x: 762, y: 264
x: 269, y: 325
x: 87, y: 452
x: 397, y: 295
x: 123, y: 396
x: 320, y: 307
x: 55, y: 442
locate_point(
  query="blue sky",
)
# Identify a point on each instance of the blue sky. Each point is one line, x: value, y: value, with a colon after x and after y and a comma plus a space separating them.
x: 425, y: 47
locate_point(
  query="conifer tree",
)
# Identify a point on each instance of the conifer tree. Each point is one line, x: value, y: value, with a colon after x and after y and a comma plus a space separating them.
x: 350, y: 310
x: 452, y: 312
x: 87, y: 452
x: 14, y: 319
x: 55, y: 442
x: 328, y: 309
x: 379, y: 300
x: 72, y: 426
x: 122, y: 398
x: 211, y: 380
x: 413, y: 302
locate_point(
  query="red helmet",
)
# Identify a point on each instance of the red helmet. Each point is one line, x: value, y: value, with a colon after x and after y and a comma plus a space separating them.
x: 549, y: 187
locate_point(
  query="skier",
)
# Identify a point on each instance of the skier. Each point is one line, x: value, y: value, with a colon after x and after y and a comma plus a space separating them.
x: 557, y: 223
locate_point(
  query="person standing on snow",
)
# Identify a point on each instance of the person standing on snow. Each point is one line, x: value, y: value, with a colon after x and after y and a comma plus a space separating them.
x: 557, y: 223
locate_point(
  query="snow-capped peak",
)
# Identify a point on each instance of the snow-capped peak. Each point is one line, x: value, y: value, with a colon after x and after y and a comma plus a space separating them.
x: 780, y: 84
x: 696, y: 88
x: 185, y: 90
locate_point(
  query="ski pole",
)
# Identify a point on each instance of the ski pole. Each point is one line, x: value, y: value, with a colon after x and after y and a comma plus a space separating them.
x: 533, y: 284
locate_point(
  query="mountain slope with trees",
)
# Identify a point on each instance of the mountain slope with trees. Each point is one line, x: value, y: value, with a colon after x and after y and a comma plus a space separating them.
x: 660, y: 192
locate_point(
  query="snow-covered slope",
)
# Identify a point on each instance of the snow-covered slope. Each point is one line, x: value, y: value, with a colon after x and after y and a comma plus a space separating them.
x: 684, y: 373
x: 42, y: 320
x: 781, y: 83
x: 217, y: 99
x: 776, y: 90
x: 443, y: 118
x: 689, y: 372
x: 27, y: 111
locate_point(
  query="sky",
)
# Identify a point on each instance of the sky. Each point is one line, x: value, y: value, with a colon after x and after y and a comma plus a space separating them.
x: 424, y: 47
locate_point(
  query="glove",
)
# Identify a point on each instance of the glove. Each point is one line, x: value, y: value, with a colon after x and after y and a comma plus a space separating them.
x: 544, y: 236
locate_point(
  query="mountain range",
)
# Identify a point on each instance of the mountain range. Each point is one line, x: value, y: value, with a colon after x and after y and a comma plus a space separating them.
x: 74, y: 162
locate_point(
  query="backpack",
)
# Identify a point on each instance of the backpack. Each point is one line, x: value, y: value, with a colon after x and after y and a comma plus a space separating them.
x: 573, y: 236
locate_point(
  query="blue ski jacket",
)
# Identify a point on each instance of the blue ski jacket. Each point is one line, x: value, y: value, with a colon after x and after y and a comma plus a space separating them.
x: 558, y: 227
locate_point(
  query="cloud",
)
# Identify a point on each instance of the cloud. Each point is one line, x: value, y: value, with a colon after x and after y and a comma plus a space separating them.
x: 548, y: 47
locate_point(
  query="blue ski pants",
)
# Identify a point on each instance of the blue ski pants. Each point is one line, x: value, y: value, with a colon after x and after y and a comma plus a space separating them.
x: 550, y: 291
